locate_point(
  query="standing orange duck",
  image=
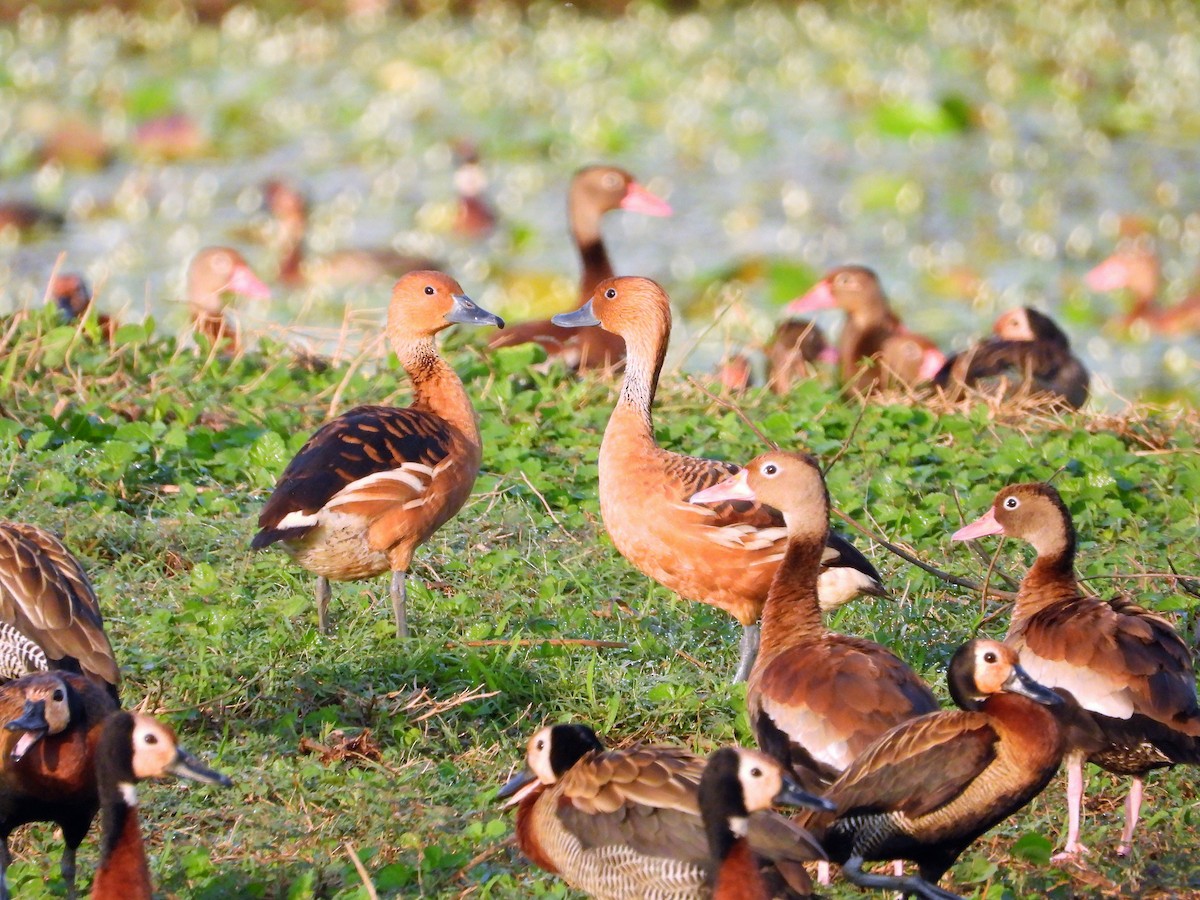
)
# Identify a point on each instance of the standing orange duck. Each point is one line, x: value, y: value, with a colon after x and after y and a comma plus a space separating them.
x: 133, y: 748
x: 724, y: 555
x: 925, y: 790
x: 594, y: 191
x: 1134, y: 267
x: 1124, y: 665
x: 373, y: 484
x: 875, y: 351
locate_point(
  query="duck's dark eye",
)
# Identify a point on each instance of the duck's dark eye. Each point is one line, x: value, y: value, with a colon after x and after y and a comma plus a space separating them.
x: 541, y: 745
x: 1012, y: 503
x: 756, y: 772
x: 58, y: 696
x: 989, y: 657
x: 770, y: 469
x: 151, y: 739
x: 611, y: 293
x: 429, y: 290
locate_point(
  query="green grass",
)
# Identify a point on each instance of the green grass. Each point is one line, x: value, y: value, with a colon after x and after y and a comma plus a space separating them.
x: 153, y: 462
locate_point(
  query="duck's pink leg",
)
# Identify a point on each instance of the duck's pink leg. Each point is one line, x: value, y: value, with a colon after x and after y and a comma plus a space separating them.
x: 1133, y: 807
x: 1074, y: 804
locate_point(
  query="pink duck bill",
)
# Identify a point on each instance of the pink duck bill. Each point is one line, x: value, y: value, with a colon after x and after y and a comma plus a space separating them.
x: 639, y: 200
x: 247, y: 284
x: 981, y: 527
x: 736, y: 487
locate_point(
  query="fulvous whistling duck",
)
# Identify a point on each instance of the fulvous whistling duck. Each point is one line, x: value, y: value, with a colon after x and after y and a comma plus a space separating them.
x: 929, y: 787
x: 1029, y: 345
x: 46, y: 774
x: 793, y: 348
x: 816, y: 699
x: 49, y: 615
x: 1134, y: 267
x: 594, y: 191
x: 875, y: 350
x: 213, y: 273
x: 723, y: 555
x: 356, y: 265
x: 373, y: 484
x: 625, y: 824
x: 1123, y: 664
x: 133, y: 748
x: 474, y: 216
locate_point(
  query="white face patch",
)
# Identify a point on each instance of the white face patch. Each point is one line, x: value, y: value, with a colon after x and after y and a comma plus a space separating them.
x: 538, y: 756
x: 128, y: 793
x: 760, y: 778
x: 739, y: 825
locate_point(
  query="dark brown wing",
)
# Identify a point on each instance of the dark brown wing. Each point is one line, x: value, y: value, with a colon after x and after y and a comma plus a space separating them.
x: 915, y: 768
x: 46, y: 596
x: 364, y: 441
x: 643, y: 797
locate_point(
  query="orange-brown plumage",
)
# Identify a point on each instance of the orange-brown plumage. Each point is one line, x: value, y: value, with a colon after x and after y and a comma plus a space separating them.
x: 594, y: 191
x: 46, y: 598
x: 723, y: 554
x: 625, y: 824
x: 875, y: 351
x: 929, y: 787
x: 52, y: 724
x: 1134, y: 267
x: 1127, y: 669
x: 372, y: 485
x: 791, y: 352
x: 132, y: 748
x: 816, y: 699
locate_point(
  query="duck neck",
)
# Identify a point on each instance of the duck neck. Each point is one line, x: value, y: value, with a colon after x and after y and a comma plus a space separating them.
x: 1049, y: 579
x: 792, y: 614
x: 123, y: 870
x: 291, y: 257
x: 585, y: 229
x: 643, y: 363
x: 436, y: 386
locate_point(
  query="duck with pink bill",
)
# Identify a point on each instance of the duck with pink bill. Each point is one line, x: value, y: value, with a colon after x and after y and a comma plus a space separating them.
x: 213, y: 274
x: 875, y: 350
x: 1135, y: 268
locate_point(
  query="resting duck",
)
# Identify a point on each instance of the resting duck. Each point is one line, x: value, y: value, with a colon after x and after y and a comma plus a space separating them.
x: 22, y: 216
x: 724, y: 555
x: 816, y: 698
x: 133, y: 748
x: 213, y: 273
x: 71, y: 294
x: 49, y: 615
x: 929, y: 787
x: 791, y: 352
x: 875, y: 350
x: 627, y: 824
x: 594, y: 191
x: 1121, y: 663
x: 373, y: 484
x: 474, y: 217
x: 1030, y: 346
x: 52, y: 723
x: 1134, y: 267
x: 351, y: 266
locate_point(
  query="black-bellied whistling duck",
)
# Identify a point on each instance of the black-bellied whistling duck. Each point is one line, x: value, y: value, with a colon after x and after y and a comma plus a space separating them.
x: 626, y: 824
x: 735, y: 374
x: 875, y: 350
x: 1030, y: 346
x: 214, y: 273
x: 373, y: 484
x: 133, y: 748
x: 816, y: 698
x: 1134, y: 267
x: 1123, y: 664
x: 23, y: 216
x: 793, y: 348
x: 71, y: 294
x: 356, y: 265
x: 52, y: 723
x: 50, y: 609
x: 723, y: 555
x: 474, y: 217
x: 929, y: 787
x: 594, y: 191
